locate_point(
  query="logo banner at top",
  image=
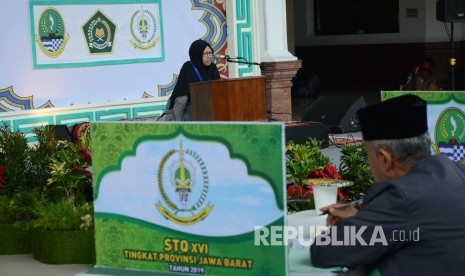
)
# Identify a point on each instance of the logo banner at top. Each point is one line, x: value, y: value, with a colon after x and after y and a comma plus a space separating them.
x: 84, y: 34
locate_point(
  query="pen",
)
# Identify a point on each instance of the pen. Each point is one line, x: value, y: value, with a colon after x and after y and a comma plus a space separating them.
x: 352, y: 203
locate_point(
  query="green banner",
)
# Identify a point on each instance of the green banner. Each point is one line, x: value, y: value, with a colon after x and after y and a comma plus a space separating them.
x: 446, y: 120
x: 172, y: 197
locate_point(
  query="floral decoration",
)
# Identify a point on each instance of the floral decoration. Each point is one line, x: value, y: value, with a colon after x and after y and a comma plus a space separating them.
x: 306, y: 161
x: 46, y: 184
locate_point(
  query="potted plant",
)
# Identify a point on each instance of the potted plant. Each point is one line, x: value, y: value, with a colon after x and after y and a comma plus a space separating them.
x: 64, y: 233
x: 42, y: 185
x: 16, y: 192
x: 303, y: 162
x: 64, y: 225
x: 354, y: 167
x: 41, y: 153
x: 14, y: 224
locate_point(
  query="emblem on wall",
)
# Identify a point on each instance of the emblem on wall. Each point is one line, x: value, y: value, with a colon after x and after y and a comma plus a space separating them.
x: 144, y: 29
x: 51, y: 36
x: 450, y: 134
x: 184, y: 199
x: 99, y: 32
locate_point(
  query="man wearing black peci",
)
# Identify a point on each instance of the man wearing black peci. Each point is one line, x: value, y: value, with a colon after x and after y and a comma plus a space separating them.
x: 413, y: 218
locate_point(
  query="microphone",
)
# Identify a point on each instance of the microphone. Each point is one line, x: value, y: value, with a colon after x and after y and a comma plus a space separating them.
x: 228, y: 58
x: 216, y: 56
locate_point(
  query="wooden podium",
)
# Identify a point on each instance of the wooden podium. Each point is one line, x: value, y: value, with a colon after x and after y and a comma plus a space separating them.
x: 239, y: 99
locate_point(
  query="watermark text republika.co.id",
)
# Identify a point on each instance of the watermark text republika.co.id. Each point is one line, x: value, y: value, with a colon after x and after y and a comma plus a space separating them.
x: 322, y: 235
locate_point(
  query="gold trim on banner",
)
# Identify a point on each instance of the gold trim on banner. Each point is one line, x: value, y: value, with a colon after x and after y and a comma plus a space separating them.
x: 436, y: 149
x: 139, y: 46
x: 185, y: 220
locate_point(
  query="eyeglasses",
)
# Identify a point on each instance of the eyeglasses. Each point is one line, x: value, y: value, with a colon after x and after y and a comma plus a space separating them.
x: 207, y: 54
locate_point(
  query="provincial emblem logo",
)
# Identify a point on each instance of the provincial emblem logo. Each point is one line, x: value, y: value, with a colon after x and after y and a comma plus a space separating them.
x: 450, y: 134
x: 184, y: 198
x: 144, y: 30
x: 99, y: 32
x: 51, y: 36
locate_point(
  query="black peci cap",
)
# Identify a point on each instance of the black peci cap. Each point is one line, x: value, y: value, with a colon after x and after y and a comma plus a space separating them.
x: 397, y: 118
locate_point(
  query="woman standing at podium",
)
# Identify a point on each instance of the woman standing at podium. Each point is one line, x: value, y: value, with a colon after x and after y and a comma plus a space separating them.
x: 199, y: 68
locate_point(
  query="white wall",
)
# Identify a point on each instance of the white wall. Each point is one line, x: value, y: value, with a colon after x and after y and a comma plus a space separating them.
x: 424, y: 28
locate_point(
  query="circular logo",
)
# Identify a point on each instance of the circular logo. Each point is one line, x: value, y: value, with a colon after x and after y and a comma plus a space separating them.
x: 183, y: 186
x: 144, y: 30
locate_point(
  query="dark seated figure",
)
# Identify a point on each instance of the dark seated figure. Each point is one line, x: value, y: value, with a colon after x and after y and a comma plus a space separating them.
x: 412, y: 220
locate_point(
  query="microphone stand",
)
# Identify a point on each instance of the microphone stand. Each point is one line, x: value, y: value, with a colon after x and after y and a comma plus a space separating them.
x: 244, y: 61
x: 452, y: 58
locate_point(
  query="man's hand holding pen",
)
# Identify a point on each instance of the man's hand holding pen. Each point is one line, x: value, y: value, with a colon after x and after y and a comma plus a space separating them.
x: 339, y: 211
